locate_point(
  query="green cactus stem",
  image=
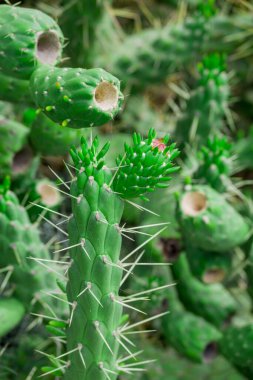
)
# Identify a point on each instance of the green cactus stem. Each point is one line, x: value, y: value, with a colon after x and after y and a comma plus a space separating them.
x: 206, y: 107
x: 208, y: 221
x: 13, y: 137
x: 12, y: 312
x: 51, y: 139
x: 20, y: 247
x: 236, y: 346
x: 191, y: 336
x: 209, y: 267
x: 212, y: 302
x: 29, y: 38
x: 77, y: 98
x: 94, y: 332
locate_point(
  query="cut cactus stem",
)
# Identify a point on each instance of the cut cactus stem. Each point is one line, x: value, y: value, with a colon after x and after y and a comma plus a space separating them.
x: 208, y: 267
x: 29, y: 38
x: 212, y: 302
x: 208, y: 221
x: 76, y: 98
x: 191, y: 336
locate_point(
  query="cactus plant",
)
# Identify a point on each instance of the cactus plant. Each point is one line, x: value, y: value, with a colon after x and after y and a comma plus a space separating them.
x: 76, y: 98
x: 95, y: 330
x: 208, y: 221
x: 212, y: 302
x: 29, y: 38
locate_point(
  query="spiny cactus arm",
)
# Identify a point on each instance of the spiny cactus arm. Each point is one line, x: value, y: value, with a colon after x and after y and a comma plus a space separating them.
x: 208, y: 221
x: 76, y: 98
x: 29, y: 38
x: 95, y: 332
x: 207, y: 105
x: 12, y: 312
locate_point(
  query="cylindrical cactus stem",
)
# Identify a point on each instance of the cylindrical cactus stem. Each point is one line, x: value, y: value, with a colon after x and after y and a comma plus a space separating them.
x: 208, y: 267
x: 76, y: 98
x: 52, y: 139
x: 191, y: 335
x: 29, y: 38
x: 236, y: 346
x: 207, y: 104
x: 95, y: 332
x: 22, y: 250
x: 12, y: 312
x: 13, y: 137
x: 212, y: 302
x: 14, y: 90
x: 208, y: 221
